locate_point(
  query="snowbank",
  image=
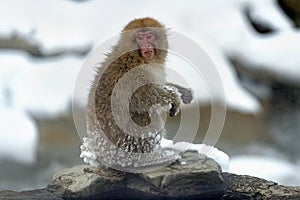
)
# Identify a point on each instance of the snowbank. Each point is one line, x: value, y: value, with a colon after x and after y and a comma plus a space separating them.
x: 210, y: 151
x: 40, y: 87
x: 266, y: 167
x: 18, y: 135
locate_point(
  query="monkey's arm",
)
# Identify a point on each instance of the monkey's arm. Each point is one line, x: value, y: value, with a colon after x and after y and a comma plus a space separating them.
x: 186, y: 93
x: 151, y: 95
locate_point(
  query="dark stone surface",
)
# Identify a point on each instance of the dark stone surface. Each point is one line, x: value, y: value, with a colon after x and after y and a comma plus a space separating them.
x: 258, y: 25
x: 200, y: 177
x: 248, y: 187
x: 195, y: 177
x: 41, y: 194
x: 292, y: 9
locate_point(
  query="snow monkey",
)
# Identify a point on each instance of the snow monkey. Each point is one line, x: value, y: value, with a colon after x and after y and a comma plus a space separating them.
x: 137, y: 63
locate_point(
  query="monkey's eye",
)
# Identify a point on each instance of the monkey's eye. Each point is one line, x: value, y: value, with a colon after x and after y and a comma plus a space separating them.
x: 149, y: 36
x: 139, y: 37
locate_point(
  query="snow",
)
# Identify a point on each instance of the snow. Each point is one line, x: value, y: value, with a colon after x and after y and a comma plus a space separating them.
x: 278, y: 55
x: 210, y: 151
x: 18, y: 131
x: 266, y: 167
x: 18, y: 135
x: 262, y: 166
x: 266, y: 11
x: 42, y: 87
x: 236, y: 96
x: 38, y: 87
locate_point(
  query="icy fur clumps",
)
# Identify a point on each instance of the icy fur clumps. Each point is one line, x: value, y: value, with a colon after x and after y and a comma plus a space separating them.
x: 97, y: 151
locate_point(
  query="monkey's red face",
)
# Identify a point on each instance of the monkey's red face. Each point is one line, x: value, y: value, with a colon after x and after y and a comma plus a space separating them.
x: 146, y: 42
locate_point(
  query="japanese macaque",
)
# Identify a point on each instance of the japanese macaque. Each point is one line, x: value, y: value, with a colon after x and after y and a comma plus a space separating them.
x: 133, y: 73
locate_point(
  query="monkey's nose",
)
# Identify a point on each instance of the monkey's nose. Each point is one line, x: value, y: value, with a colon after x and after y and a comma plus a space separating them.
x: 147, y: 45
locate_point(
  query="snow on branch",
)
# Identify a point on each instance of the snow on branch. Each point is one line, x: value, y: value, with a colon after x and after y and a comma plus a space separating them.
x: 34, y: 48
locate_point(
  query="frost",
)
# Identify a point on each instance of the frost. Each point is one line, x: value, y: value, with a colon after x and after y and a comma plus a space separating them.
x: 97, y: 150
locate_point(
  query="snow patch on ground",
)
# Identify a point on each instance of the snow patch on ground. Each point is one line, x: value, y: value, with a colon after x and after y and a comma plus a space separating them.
x: 266, y: 167
x: 210, y: 151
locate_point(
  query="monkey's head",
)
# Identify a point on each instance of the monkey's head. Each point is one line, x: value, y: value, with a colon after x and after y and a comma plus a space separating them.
x: 148, y: 37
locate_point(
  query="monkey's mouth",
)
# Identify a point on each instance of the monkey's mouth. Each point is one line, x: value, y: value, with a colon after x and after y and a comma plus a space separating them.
x: 147, y: 53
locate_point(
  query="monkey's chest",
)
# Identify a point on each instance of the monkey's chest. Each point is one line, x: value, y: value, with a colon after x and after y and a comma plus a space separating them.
x: 138, y: 77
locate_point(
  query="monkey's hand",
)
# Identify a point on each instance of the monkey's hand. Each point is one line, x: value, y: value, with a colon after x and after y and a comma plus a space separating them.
x: 172, y: 110
x: 173, y: 100
x: 186, y: 94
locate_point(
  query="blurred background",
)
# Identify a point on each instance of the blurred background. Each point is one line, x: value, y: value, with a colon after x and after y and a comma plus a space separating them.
x: 254, y: 44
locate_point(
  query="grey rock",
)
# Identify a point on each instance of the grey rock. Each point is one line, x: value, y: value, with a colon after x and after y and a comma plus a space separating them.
x: 248, y: 187
x: 194, y: 176
x: 28, y: 195
x: 84, y: 180
x: 199, y: 177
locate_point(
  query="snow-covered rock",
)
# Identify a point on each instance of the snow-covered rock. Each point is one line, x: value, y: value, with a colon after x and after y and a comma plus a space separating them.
x: 210, y: 151
x: 267, y: 11
x: 276, y: 56
x: 270, y: 168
